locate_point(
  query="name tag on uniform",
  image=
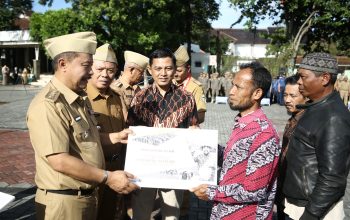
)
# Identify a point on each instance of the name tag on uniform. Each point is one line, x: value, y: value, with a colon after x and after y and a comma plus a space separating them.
x: 78, y: 118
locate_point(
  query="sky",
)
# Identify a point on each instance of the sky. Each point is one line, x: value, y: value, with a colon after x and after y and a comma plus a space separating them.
x: 228, y: 14
x: 56, y: 5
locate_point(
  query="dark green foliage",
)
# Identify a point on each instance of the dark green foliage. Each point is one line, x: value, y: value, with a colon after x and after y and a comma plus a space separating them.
x: 138, y: 25
x: 329, y: 28
x: 10, y: 10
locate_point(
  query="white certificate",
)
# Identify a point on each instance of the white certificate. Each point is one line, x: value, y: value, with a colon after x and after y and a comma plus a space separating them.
x: 172, y: 158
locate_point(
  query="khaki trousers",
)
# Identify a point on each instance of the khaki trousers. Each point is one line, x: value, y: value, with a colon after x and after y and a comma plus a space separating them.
x: 142, y: 203
x: 62, y: 207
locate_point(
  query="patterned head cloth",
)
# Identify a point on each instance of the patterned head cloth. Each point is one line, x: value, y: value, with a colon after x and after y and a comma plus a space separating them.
x: 321, y: 62
x: 81, y: 42
x: 181, y: 56
x: 105, y: 53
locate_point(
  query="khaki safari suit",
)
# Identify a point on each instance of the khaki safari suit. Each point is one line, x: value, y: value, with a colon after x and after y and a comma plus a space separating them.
x: 215, y: 87
x: 59, y: 120
x: 126, y: 91
x: 108, y: 111
x: 194, y: 87
x: 190, y: 84
x: 344, y: 90
x: 205, y: 84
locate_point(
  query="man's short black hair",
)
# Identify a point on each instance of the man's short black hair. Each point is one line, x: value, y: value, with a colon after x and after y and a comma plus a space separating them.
x: 260, y: 75
x: 162, y: 53
x: 292, y: 80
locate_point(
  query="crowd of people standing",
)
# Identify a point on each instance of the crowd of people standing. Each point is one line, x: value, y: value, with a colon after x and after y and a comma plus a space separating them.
x: 215, y: 85
x: 16, y: 75
x: 78, y: 126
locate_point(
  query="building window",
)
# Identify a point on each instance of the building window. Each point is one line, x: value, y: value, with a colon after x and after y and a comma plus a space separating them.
x: 198, y: 64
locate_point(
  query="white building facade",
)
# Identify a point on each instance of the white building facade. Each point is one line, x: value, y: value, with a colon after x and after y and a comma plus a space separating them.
x: 247, y: 45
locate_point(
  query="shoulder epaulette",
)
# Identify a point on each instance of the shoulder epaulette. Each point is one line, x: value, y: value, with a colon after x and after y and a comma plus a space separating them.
x: 52, y: 95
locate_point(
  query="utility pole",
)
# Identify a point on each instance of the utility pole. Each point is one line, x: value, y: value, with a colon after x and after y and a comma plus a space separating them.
x: 189, y: 28
x: 218, y: 52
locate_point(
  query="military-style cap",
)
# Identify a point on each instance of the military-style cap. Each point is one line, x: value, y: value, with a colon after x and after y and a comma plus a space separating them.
x: 181, y: 56
x: 105, y: 53
x: 321, y: 62
x: 139, y: 59
x: 81, y: 42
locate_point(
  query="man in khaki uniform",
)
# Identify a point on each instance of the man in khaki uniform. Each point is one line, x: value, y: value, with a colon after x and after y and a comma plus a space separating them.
x: 204, y: 80
x: 227, y: 83
x: 108, y: 111
x: 126, y: 84
x: 214, y: 86
x: 184, y: 79
x: 344, y: 89
x: 68, y: 153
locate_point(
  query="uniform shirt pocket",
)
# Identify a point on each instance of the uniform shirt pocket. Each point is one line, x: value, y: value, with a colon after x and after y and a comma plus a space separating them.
x: 82, y: 130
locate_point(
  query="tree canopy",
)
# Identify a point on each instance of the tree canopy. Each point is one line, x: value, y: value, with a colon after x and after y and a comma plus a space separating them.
x: 138, y: 25
x: 10, y: 10
x: 329, y: 23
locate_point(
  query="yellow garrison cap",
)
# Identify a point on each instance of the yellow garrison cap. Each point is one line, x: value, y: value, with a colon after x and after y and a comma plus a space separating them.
x: 139, y: 59
x: 81, y: 42
x: 105, y: 53
x: 181, y: 56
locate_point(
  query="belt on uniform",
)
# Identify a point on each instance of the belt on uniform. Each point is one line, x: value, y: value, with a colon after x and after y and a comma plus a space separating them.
x: 71, y: 192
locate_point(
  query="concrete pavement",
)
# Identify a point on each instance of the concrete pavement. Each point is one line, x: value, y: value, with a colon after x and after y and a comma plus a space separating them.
x: 17, y: 156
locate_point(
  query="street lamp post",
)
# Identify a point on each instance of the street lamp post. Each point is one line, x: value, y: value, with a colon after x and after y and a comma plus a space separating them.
x: 190, y: 7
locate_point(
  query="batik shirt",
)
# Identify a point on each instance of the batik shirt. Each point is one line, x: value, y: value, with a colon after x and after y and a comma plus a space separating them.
x: 247, y: 183
x: 177, y: 109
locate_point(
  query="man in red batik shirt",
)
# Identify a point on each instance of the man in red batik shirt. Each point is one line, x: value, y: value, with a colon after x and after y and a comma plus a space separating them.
x: 247, y: 185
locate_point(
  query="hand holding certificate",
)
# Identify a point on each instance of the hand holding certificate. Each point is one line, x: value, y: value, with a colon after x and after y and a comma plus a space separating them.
x: 172, y: 158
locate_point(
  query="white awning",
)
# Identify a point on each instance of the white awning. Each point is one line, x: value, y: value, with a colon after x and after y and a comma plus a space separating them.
x: 20, y: 38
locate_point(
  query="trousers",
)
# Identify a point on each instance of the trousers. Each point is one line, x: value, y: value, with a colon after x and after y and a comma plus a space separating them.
x: 142, y: 203
x: 53, y: 206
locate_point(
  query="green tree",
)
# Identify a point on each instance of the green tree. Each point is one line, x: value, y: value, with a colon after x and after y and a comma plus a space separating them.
x: 228, y: 61
x: 318, y: 24
x: 10, y: 10
x: 139, y: 25
x: 54, y: 23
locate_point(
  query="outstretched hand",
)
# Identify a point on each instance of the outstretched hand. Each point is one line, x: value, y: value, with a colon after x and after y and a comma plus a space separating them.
x: 201, y: 192
x: 121, y: 137
x: 120, y: 181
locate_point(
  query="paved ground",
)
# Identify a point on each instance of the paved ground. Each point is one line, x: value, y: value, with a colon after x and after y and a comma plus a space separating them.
x: 17, y: 156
